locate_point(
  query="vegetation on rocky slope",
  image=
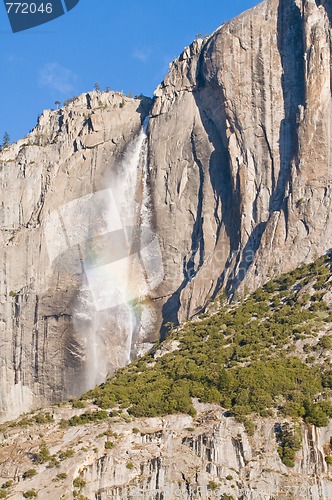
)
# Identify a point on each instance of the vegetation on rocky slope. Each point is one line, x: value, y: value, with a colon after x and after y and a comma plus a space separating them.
x: 268, y: 353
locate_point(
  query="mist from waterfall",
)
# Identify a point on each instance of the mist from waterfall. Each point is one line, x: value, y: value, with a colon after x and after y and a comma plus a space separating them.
x: 105, y: 241
x: 113, y: 312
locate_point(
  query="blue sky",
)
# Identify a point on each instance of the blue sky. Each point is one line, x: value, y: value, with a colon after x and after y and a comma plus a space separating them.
x: 125, y: 45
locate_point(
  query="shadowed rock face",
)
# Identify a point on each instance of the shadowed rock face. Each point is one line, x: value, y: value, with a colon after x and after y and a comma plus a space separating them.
x: 239, y: 169
x: 240, y: 153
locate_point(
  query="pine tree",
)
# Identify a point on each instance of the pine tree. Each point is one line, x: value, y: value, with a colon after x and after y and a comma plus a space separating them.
x: 6, y: 139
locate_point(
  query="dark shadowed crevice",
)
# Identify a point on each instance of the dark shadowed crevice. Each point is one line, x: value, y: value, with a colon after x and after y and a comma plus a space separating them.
x: 290, y: 43
x: 171, y: 308
x: 197, y: 237
x: 227, y: 196
x: 247, y: 257
x: 145, y: 107
x: 170, y: 311
x: 227, y: 212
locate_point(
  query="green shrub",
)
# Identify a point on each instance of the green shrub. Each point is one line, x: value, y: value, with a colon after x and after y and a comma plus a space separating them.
x: 328, y: 459
x: 88, y: 417
x: 7, y: 484
x: 30, y: 494
x: 249, y: 427
x: 109, y: 445
x: 43, y: 456
x: 43, y: 418
x: 53, y: 462
x: 61, y: 476
x: 130, y: 465
x: 213, y: 485
x: 261, y: 295
x: 293, y: 409
x: 63, y: 455
x: 325, y: 343
x: 40, y: 418
x: 318, y: 414
x: 289, y: 438
x: 29, y: 473
x: 79, y: 483
x: 77, y: 403
x: 3, y: 494
x: 287, y: 456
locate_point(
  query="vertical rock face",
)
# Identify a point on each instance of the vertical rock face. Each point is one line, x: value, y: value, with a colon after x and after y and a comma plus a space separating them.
x: 240, y: 153
x: 49, y: 328
x: 239, y: 170
x: 222, y: 460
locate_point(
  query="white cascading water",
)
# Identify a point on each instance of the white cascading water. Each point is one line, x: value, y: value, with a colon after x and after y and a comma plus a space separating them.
x: 154, y: 271
x: 113, y: 311
x: 125, y: 184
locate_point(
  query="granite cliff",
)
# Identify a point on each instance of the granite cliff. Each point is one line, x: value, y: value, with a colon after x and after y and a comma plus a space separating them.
x: 54, y: 196
x: 240, y: 152
x: 207, y: 457
x: 238, y: 156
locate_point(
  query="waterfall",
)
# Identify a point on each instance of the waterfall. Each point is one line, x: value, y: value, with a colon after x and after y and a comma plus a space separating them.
x: 107, y: 238
x: 126, y: 186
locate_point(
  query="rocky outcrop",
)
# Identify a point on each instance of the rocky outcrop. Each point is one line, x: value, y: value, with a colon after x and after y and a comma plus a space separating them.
x: 166, y: 458
x: 237, y: 189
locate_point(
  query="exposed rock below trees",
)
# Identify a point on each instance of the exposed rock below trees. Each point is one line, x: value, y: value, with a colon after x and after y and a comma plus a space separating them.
x: 170, y: 457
